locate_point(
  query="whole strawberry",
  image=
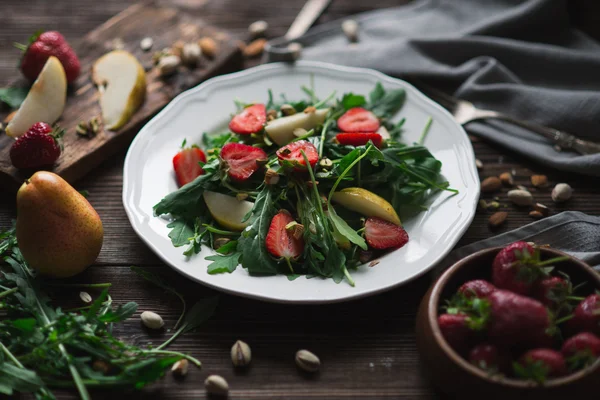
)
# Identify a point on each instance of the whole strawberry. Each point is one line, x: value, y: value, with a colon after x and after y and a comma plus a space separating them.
x: 489, y: 358
x: 41, y: 47
x: 476, y: 288
x: 581, y: 350
x: 456, y: 330
x: 516, y: 269
x: 39, y: 147
x: 586, y: 316
x: 540, y: 364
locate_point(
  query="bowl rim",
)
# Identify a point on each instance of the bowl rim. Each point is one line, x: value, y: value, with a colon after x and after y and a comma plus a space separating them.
x: 432, y: 314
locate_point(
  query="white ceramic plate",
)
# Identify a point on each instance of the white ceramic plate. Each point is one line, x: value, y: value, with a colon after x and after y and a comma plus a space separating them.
x: 148, y: 177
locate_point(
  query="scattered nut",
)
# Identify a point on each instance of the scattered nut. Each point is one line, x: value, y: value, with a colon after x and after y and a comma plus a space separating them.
x: 482, y: 204
x: 177, y: 48
x: 539, y: 207
x: 520, y: 197
x: 310, y: 110
x: 117, y: 44
x: 94, y: 125
x: 478, y: 163
x: 271, y: 115
x: 180, y: 368
x: 220, y: 242
x: 521, y: 187
x: 494, y: 205
x: 85, y: 297
x: 271, y: 177
x: 208, y: 46
x: 507, y: 179
x: 168, y: 65
x: 241, y: 196
x: 307, y: 361
x: 296, y: 229
x: 152, y: 320
x: 561, y: 192
x: 82, y: 128
x: 255, y: 48
x: 216, y: 385
x: 191, y: 53
x: 101, y: 366
x: 287, y: 109
x: 325, y: 163
x: 491, y: 184
x: 350, y: 29
x: 373, y: 263
x: 258, y: 28
x: 536, y: 215
x: 241, y: 355
x: 157, y: 55
x: 295, y: 50
x: 364, y: 256
x: 539, y: 181
x: 146, y: 43
x: 497, y: 219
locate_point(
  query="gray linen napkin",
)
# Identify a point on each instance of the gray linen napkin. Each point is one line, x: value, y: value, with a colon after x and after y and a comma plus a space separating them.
x: 520, y: 57
x: 573, y: 232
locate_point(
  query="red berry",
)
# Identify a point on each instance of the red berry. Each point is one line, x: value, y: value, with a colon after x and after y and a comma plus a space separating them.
x: 488, y: 358
x: 39, y: 147
x: 250, y: 120
x: 541, y: 363
x: 456, y: 331
x: 586, y: 316
x: 241, y: 160
x: 186, y: 165
x: 516, y: 320
x: 581, y: 343
x: 359, y: 138
x: 550, y: 289
x: 48, y: 44
x: 510, y: 272
x: 358, y: 120
x: 280, y: 242
x: 477, y: 288
x: 381, y: 234
x: 292, y: 154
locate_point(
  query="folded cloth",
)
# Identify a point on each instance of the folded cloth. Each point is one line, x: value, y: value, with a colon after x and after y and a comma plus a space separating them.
x: 521, y: 57
x: 573, y: 232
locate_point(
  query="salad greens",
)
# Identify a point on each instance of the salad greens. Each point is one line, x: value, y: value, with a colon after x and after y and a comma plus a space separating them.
x: 406, y: 176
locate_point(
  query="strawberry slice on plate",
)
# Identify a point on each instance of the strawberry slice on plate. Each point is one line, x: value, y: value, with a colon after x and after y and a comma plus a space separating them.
x: 242, y: 160
x: 381, y: 234
x: 250, y: 120
x: 358, y: 119
x: 185, y: 164
x: 292, y: 153
x: 281, y: 241
x: 359, y: 138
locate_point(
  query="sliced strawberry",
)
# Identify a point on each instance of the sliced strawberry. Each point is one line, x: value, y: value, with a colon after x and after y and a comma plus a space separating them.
x: 358, y: 120
x: 280, y: 242
x: 359, y: 138
x: 292, y: 153
x: 250, y: 120
x: 186, y: 165
x: 241, y: 160
x: 381, y: 234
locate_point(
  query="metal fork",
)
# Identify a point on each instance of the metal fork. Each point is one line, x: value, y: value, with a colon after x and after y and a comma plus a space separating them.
x: 465, y: 112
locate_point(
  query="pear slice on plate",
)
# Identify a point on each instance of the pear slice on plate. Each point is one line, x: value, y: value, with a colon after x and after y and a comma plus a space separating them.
x: 228, y: 211
x: 45, y: 101
x: 281, y: 130
x: 366, y: 203
x: 121, y: 80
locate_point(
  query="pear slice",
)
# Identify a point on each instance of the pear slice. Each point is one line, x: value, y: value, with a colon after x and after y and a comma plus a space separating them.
x: 121, y: 81
x: 367, y: 203
x: 45, y: 101
x: 228, y: 211
x: 281, y: 130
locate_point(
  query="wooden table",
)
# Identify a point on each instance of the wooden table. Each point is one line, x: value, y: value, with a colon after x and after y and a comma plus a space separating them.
x: 367, y: 347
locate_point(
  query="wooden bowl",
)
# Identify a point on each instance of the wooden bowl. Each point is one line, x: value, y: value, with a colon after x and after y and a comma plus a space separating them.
x: 455, y: 376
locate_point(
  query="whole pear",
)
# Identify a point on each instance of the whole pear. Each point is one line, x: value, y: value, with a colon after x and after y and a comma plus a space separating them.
x: 58, y: 231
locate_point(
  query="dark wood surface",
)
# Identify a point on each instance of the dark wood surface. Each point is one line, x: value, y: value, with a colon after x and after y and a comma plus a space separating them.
x: 367, y: 347
x: 165, y: 25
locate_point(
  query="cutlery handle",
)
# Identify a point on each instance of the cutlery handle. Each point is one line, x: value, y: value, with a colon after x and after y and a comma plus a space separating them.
x: 562, y: 139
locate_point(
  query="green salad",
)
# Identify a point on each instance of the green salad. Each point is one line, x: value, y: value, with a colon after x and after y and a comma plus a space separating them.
x: 313, y: 187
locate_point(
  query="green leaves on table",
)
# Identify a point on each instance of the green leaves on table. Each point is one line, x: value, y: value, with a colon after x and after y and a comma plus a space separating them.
x: 13, y: 96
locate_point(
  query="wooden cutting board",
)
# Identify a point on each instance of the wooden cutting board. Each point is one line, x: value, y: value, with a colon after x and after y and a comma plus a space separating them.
x: 164, y: 26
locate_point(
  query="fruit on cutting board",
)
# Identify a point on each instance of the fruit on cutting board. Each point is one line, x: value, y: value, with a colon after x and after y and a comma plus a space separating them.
x: 121, y: 81
x: 281, y: 130
x: 228, y: 211
x: 43, y: 46
x: 59, y: 232
x: 40, y: 146
x: 366, y: 203
x: 45, y: 101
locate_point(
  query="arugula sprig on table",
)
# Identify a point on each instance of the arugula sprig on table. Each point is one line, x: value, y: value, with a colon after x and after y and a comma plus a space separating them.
x: 43, y: 346
x: 405, y: 175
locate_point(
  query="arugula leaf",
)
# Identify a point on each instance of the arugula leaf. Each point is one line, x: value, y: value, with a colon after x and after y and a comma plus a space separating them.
x: 13, y: 96
x: 224, y: 263
x: 377, y: 93
x: 384, y: 103
x: 228, y: 247
x: 13, y: 378
x: 180, y: 232
x: 212, y: 141
x: 122, y: 312
x: 351, y: 100
x: 255, y: 257
x: 344, y: 229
